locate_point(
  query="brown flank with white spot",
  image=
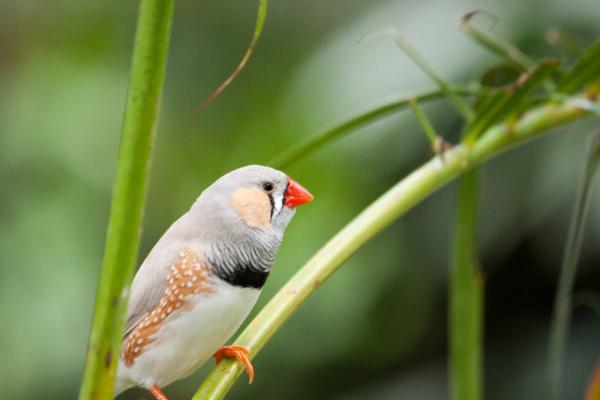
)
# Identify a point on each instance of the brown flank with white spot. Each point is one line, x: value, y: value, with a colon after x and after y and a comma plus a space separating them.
x: 187, y: 277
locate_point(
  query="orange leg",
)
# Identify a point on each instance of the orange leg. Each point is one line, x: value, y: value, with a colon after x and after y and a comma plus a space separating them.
x: 240, y: 353
x: 157, y: 393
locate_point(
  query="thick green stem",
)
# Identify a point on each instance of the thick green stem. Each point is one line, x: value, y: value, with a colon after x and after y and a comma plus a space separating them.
x: 391, y: 205
x: 122, y: 239
x: 466, y: 298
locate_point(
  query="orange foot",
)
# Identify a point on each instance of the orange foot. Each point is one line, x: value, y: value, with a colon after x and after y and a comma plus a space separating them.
x: 156, y: 392
x: 240, y: 353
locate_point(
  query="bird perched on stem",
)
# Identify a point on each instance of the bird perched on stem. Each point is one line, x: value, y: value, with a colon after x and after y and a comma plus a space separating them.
x: 203, y: 276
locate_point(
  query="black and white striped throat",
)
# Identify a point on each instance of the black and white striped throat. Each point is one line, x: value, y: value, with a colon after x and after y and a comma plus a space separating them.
x: 243, y: 266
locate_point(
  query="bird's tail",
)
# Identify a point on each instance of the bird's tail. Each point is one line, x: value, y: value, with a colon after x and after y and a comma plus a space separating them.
x: 123, y: 382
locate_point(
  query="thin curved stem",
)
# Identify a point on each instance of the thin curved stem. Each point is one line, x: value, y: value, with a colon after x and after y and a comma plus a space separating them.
x: 260, y: 22
x: 463, y: 108
x: 344, y: 128
x: 387, y: 208
x: 563, y: 299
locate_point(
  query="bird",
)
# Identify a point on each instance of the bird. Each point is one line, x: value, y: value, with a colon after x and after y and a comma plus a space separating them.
x: 202, y: 278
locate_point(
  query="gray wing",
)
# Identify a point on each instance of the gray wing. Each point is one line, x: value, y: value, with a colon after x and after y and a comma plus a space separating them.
x: 143, y: 300
x: 149, y: 283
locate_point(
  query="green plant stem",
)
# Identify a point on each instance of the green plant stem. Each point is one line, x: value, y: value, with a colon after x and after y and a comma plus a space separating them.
x: 122, y: 239
x: 320, y: 140
x: 428, y: 129
x: 461, y: 106
x: 391, y: 205
x: 562, y: 302
x: 586, y: 72
x: 258, y: 28
x: 504, y: 49
x: 466, y: 299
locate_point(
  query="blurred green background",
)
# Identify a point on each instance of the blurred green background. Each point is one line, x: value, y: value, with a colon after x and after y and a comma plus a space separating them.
x: 377, y: 329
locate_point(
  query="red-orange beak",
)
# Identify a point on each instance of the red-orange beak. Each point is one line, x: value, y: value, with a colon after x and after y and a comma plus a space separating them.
x: 296, y: 195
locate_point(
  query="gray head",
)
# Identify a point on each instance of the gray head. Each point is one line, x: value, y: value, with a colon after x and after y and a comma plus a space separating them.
x: 249, y: 204
x: 242, y: 216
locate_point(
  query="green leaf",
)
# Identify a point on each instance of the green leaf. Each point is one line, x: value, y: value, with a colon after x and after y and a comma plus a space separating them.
x: 585, y: 73
x: 499, y: 76
x: 508, y: 100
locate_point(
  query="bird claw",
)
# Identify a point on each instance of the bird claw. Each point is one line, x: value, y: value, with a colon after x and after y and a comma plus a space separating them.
x: 240, y: 353
x: 157, y: 393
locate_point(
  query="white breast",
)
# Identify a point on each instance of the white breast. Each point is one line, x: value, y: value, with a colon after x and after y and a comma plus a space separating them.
x: 190, y: 336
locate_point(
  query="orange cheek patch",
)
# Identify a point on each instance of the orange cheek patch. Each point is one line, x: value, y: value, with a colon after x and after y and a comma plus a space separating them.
x: 253, y: 206
x: 187, y: 277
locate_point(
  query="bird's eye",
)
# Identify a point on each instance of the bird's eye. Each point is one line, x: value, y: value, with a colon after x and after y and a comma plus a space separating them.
x: 267, y: 186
